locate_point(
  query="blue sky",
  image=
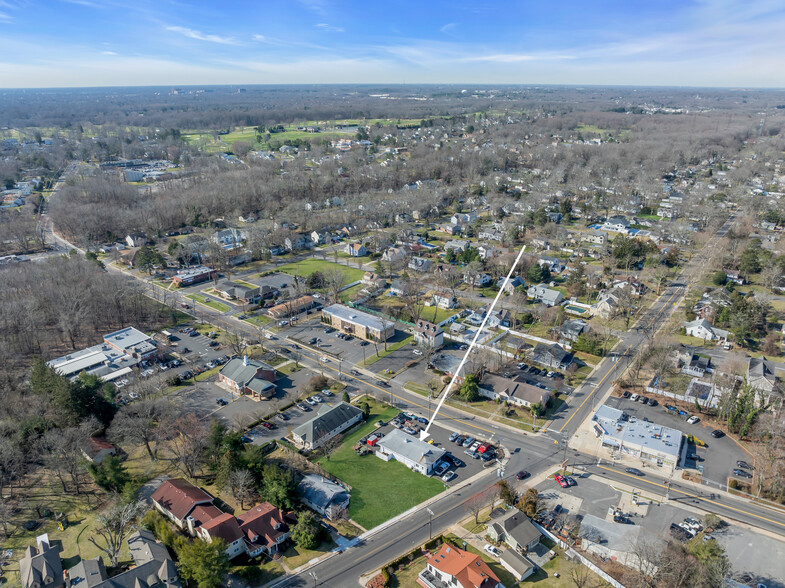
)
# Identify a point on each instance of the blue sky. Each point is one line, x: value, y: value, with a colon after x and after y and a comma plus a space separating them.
x: 50, y: 43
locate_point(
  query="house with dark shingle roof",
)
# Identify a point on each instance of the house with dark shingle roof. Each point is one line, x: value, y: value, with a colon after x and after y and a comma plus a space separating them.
x: 248, y: 376
x: 323, y: 496
x: 41, y: 567
x: 552, y: 356
x: 330, y: 421
x: 513, y: 390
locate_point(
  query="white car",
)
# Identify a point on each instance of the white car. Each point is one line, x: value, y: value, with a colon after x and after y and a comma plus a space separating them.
x: 324, y: 359
x: 448, y: 476
x: 692, y: 420
x: 283, y: 323
x: 492, y: 550
x: 417, y: 352
x: 635, y: 397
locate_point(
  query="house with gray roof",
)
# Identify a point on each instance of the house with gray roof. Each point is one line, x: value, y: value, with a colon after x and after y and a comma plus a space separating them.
x: 520, y: 566
x: 513, y: 390
x: 248, y: 376
x: 703, y: 329
x: 236, y: 291
x: 572, y: 329
x: 541, y: 293
x: 153, y: 567
x: 552, y: 356
x: 330, y: 421
x: 761, y: 377
x: 412, y: 452
x: 323, y: 496
x: 40, y: 566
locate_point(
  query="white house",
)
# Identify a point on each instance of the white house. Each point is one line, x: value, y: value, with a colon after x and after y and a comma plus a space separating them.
x: 703, y: 329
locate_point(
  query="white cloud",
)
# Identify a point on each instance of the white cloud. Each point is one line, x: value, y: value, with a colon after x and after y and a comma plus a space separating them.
x: 329, y: 28
x: 446, y: 29
x: 259, y: 38
x: 108, y: 53
x: 200, y: 36
x: 5, y: 17
x: 515, y: 58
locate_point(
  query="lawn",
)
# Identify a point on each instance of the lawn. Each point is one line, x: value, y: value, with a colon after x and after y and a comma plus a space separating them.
x: 349, y: 293
x: 259, y: 320
x: 296, y: 556
x: 435, y: 314
x: 388, y: 351
x: 374, y: 498
x: 306, y: 267
x: 205, y: 301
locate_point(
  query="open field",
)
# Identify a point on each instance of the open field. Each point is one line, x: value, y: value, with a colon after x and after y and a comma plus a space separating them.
x: 205, y: 301
x: 374, y: 500
x: 306, y: 267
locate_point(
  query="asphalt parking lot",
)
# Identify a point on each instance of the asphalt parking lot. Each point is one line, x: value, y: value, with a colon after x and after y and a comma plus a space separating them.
x: 394, y: 362
x: 718, y: 459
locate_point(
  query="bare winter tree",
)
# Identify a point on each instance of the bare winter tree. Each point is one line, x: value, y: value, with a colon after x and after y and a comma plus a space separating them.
x: 189, y: 441
x: 240, y: 484
x: 334, y: 281
x: 113, y: 527
x: 143, y: 423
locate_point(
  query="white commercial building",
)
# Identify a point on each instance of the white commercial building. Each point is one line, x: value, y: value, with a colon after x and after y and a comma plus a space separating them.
x: 627, y: 436
x: 410, y: 451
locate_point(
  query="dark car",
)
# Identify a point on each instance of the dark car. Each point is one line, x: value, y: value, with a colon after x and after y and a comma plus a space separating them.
x: 221, y: 401
x: 625, y: 394
x: 634, y: 471
x: 571, y: 481
x: 745, y: 465
x: 622, y: 519
x: 312, y: 341
x: 716, y: 433
x: 363, y: 343
x: 246, y: 439
x: 381, y: 383
x: 283, y: 417
x: 741, y: 473
x: 643, y: 399
x: 652, y: 402
x: 522, y: 475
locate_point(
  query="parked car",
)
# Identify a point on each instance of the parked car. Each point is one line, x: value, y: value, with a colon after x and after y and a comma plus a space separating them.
x: 324, y: 359
x: 313, y: 341
x: 492, y: 550
x: 634, y: 471
x: 441, y: 468
x: 635, y: 397
x: 716, y: 433
x: 571, y: 481
x: 303, y: 407
x: 282, y: 417
x: 643, y: 399
x: 221, y: 401
x: 741, y: 473
x: 453, y: 436
x: 692, y: 420
x: 561, y: 481
x: 416, y: 351
x: 448, y: 476
x: 522, y: 475
x: 625, y: 394
x: 468, y: 441
x: 652, y: 402
x: 622, y: 519
x: 745, y: 465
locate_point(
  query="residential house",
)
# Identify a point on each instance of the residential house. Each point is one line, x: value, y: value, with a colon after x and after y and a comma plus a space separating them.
x: 329, y: 422
x: 373, y: 280
x: 153, y: 567
x: 497, y: 318
x: 248, y: 376
x: 40, y: 567
x: 552, y: 356
x: 450, y: 229
x: 697, y: 365
x: 487, y: 251
x: 463, y: 218
x: 229, y: 237
x: 451, y: 566
x: 419, y: 264
x: 514, y: 390
x: 456, y: 246
x: 323, y: 496
x: 608, y: 305
x: 235, y: 291
x: 177, y: 498
x: 541, y: 293
x: 541, y: 243
x: 553, y: 264
x: 297, y: 242
x: 595, y: 237
x: 247, y: 218
x: 259, y: 530
x: 395, y: 254
x: 96, y: 449
x: 617, y: 224
x: 136, y: 240
x: 428, y: 334
x: 710, y: 302
x: 735, y: 277
x: 519, y: 532
x: 632, y: 285
x: 444, y: 300
x: 479, y: 280
x: 292, y: 307
x: 703, y: 329
x: 321, y: 237
x: 572, y: 329
x: 360, y: 324
x: 490, y: 234
x: 355, y: 250
x: 401, y: 288
x: 761, y: 377
x: 511, y: 285
x: 412, y: 452
x: 555, y: 217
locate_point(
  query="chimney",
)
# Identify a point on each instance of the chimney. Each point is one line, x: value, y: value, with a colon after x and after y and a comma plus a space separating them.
x: 245, y: 360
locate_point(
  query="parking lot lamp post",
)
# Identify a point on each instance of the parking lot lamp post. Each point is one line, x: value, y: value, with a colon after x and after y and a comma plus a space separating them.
x: 429, y: 407
x: 315, y: 578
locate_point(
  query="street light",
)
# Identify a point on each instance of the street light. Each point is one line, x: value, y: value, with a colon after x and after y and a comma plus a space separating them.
x: 430, y: 516
x: 313, y: 575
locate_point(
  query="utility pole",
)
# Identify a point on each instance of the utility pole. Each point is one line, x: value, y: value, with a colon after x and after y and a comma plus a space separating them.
x: 313, y: 575
x: 430, y: 517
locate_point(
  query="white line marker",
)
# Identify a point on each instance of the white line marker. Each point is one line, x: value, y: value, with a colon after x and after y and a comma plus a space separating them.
x: 424, y: 434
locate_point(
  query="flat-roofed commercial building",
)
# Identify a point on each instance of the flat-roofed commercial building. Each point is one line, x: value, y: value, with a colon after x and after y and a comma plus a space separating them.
x: 629, y: 437
x: 194, y: 275
x: 410, y: 451
x: 357, y: 323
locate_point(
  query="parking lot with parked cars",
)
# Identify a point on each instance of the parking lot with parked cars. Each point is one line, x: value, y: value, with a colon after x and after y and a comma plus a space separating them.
x: 717, y: 461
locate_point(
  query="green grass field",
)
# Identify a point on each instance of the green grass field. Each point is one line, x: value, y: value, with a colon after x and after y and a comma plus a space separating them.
x: 346, y: 295
x: 306, y: 267
x: 374, y: 498
x: 205, y: 301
